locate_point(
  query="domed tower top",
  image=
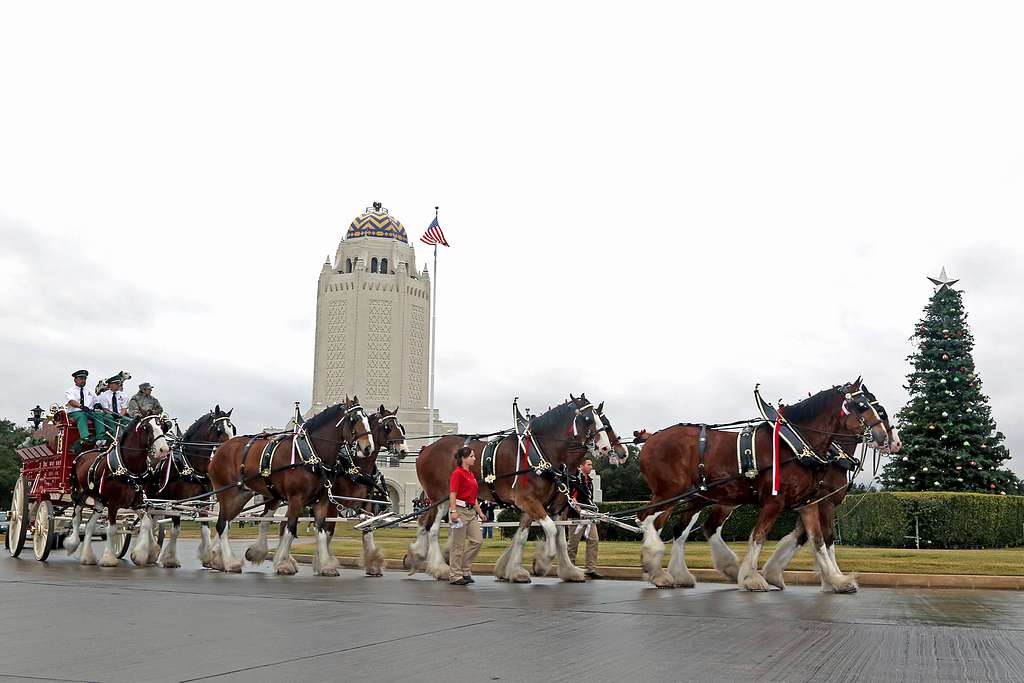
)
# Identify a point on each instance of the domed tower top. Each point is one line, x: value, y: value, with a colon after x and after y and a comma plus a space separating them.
x: 376, y: 222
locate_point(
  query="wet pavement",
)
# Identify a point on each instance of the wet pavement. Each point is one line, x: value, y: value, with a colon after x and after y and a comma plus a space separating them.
x: 61, y: 621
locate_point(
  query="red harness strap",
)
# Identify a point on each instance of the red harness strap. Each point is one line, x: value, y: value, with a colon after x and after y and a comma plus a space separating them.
x: 775, y: 453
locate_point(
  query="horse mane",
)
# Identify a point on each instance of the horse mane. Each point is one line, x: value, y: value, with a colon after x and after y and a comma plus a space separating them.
x: 553, y: 418
x: 126, y: 430
x: 194, y: 429
x: 811, y: 407
x: 324, y: 416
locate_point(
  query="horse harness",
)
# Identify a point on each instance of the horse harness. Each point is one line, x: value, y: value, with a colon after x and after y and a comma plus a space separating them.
x: 528, y: 451
x: 746, y: 439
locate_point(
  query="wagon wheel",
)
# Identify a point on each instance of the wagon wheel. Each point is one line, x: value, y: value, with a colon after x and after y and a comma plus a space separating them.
x: 19, y: 518
x: 42, y: 530
x: 122, y: 539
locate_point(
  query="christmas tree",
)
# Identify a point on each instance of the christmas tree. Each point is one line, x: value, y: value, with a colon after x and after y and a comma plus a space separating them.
x: 950, y: 442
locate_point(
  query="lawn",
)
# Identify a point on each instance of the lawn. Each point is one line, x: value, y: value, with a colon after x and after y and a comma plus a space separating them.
x: 998, y: 562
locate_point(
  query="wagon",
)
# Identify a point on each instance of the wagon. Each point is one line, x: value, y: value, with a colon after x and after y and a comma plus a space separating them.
x: 42, y: 493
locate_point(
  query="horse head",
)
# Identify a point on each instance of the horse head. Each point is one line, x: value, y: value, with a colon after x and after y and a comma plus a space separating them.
x: 589, y: 422
x: 355, y: 426
x: 618, y: 454
x: 145, y: 434
x: 388, y: 432
x: 859, y: 414
x: 221, y: 428
x: 894, y: 443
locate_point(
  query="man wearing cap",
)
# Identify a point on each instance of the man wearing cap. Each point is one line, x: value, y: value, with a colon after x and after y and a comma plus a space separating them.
x: 114, y: 406
x: 144, y: 402
x: 78, y: 401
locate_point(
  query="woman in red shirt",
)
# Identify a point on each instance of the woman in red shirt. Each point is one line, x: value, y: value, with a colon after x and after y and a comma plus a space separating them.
x: 465, y: 515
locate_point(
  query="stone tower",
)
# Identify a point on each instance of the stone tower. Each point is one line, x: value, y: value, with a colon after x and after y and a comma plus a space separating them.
x: 373, y: 324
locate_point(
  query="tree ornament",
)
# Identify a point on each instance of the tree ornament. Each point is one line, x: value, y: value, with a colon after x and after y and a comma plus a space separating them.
x: 945, y: 356
x: 992, y: 486
x: 924, y: 469
x: 972, y: 463
x: 945, y: 414
x: 942, y: 381
x: 912, y: 477
x: 967, y: 443
x: 931, y: 426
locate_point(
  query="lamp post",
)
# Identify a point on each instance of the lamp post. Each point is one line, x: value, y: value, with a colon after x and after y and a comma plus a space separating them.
x: 37, y: 417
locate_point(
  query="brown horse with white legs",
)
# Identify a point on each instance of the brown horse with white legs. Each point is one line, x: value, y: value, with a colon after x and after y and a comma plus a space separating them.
x: 528, y: 478
x: 356, y: 476
x: 833, y: 487
x: 115, y: 478
x: 833, y: 482
x: 291, y: 467
x: 185, y: 475
x: 671, y: 465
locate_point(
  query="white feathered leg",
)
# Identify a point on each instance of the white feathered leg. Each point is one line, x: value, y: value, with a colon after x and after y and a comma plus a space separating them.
x: 681, y: 575
x: 373, y: 557
x: 652, y: 550
x: 143, y: 548
x: 283, y: 561
x: 567, y: 569
x: 258, y: 551
x: 205, y: 547
x: 72, y: 540
x: 436, y: 566
x: 169, y: 552
x: 88, y: 555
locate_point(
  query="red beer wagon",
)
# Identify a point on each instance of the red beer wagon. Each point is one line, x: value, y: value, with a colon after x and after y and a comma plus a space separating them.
x: 42, y: 493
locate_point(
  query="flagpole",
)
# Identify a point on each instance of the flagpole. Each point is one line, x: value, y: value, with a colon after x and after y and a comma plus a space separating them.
x: 433, y: 338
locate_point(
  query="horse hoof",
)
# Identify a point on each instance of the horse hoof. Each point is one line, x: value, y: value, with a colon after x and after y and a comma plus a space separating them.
x: 171, y: 564
x: 109, y: 560
x: 329, y: 571
x: 521, y: 577
x: 755, y: 583
x: 663, y: 580
x: 406, y: 562
x: 502, y: 579
x: 775, y: 580
x: 684, y: 581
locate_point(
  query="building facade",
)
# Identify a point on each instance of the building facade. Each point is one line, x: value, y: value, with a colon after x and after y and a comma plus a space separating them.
x: 373, y: 329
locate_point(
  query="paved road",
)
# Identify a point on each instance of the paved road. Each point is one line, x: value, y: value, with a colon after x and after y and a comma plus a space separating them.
x: 61, y: 621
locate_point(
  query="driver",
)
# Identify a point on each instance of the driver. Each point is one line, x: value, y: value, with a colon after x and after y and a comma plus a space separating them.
x: 77, y: 402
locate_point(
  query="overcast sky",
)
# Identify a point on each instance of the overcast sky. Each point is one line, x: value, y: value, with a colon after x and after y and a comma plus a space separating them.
x: 658, y: 205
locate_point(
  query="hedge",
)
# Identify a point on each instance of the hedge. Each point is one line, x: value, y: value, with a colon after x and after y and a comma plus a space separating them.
x: 945, y: 520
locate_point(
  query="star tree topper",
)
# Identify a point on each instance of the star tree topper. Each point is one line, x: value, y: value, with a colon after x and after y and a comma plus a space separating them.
x: 943, y: 280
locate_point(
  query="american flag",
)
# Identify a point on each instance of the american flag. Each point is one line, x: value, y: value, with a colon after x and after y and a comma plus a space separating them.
x: 433, y: 235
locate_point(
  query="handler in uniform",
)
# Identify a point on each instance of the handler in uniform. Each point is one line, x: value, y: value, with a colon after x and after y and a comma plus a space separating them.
x: 465, y: 515
x: 78, y: 401
x: 583, y: 492
x: 144, y: 401
x: 114, y: 406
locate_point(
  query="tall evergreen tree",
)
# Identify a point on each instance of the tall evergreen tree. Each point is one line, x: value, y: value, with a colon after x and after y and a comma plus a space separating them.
x: 950, y: 442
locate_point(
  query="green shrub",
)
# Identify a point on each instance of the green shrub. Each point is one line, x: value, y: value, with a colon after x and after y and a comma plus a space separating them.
x: 944, y: 520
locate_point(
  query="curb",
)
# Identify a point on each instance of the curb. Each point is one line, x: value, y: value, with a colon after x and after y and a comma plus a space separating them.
x: 795, y: 578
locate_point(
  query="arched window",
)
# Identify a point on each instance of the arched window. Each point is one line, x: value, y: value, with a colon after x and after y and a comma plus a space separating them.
x: 348, y: 265
x: 384, y: 266
x: 373, y: 265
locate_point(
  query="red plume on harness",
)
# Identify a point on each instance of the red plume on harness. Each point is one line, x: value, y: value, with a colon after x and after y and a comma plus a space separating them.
x: 775, y: 453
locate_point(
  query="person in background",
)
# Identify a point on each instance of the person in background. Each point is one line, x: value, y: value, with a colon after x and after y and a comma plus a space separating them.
x: 465, y: 515
x: 583, y: 492
x: 488, y: 509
